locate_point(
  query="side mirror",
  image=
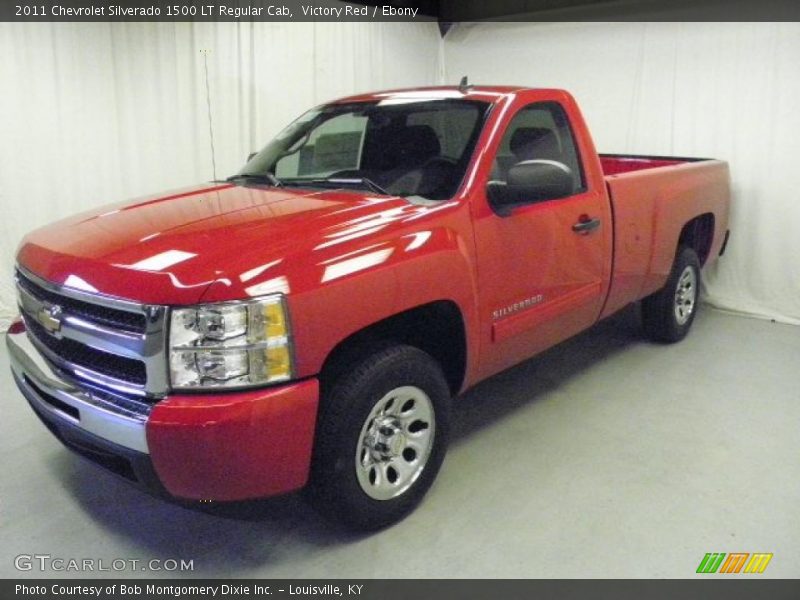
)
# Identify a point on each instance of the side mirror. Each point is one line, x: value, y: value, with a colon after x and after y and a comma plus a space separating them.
x: 531, y: 181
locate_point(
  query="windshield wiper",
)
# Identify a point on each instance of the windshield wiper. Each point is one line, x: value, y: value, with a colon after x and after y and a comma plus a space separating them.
x: 346, y: 181
x: 267, y: 177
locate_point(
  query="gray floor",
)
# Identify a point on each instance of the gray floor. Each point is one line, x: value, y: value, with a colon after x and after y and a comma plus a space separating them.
x: 605, y: 457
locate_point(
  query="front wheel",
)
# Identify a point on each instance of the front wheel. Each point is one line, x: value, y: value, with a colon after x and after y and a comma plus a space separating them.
x: 381, y: 438
x: 668, y: 314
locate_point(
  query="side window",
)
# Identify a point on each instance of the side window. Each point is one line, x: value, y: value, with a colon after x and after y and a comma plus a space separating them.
x: 333, y: 146
x: 539, y: 132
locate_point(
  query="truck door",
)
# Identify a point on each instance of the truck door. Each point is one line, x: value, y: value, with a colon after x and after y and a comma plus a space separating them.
x: 543, y: 261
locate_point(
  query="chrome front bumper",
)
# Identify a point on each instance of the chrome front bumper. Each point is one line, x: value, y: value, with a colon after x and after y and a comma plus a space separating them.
x: 62, y: 399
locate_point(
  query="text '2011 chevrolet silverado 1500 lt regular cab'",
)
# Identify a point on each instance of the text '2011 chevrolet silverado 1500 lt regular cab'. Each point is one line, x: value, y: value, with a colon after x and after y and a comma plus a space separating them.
x: 306, y: 322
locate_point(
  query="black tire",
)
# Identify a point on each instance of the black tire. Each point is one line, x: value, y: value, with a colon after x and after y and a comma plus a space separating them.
x: 663, y: 318
x: 347, y: 412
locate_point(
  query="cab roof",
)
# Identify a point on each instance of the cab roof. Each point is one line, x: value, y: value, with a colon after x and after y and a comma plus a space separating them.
x: 485, y: 93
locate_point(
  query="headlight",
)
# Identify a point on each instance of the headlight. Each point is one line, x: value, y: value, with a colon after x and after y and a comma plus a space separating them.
x: 230, y: 344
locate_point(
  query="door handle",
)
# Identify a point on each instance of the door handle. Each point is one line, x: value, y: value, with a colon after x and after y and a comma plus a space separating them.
x: 585, y: 225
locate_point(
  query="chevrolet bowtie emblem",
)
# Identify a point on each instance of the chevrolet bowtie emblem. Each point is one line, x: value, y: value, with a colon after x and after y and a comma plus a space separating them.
x: 49, y: 317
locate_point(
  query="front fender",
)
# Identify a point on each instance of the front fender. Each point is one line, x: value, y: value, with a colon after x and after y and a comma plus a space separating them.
x: 361, y: 288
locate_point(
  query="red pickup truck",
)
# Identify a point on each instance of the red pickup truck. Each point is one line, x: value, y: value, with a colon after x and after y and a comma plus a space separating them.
x: 306, y: 322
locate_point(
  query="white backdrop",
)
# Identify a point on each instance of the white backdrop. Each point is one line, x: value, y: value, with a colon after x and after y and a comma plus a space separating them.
x: 721, y: 90
x: 97, y: 113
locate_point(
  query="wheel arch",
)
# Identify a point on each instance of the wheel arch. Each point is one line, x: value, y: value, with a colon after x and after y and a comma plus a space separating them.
x: 436, y: 327
x: 698, y: 234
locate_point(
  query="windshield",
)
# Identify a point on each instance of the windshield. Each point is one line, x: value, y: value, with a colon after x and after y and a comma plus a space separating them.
x: 408, y: 148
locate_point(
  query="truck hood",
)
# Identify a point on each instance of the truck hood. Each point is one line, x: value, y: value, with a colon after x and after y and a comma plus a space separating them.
x: 171, y: 249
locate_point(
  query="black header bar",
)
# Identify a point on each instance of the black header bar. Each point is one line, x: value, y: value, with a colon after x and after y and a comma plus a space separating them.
x: 443, y: 11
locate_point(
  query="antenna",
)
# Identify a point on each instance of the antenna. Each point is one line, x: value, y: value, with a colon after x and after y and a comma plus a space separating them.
x: 464, y: 86
x: 210, y: 124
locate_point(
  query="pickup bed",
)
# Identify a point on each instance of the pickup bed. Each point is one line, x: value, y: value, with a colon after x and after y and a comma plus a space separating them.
x: 307, y: 322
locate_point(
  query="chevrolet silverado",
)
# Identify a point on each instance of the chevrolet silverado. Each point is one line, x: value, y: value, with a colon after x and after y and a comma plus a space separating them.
x: 306, y: 322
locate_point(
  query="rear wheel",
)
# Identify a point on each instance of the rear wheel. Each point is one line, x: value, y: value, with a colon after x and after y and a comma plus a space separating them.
x: 381, y: 438
x: 668, y: 314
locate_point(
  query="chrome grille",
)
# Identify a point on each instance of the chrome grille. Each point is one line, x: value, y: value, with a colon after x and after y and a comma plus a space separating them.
x: 107, y: 342
x: 81, y: 355
x: 119, y: 319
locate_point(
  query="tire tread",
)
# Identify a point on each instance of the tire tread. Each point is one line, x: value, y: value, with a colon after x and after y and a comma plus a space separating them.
x: 658, y: 317
x: 340, y: 499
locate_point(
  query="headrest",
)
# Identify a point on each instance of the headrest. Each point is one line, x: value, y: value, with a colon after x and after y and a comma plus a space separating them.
x: 529, y: 143
x: 413, y: 145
